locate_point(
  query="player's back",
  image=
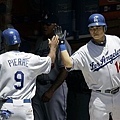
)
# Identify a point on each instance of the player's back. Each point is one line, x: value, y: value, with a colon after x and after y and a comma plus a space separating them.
x: 18, y: 71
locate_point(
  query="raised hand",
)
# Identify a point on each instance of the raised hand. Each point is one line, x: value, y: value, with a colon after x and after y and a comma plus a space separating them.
x: 58, y: 31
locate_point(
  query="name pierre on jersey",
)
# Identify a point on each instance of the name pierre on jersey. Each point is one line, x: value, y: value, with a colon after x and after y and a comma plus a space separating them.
x: 18, y: 62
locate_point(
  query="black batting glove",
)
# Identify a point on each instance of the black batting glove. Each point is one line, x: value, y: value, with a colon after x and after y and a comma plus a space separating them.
x: 62, y: 36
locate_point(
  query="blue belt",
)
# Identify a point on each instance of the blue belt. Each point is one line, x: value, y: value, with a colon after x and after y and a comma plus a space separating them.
x: 24, y: 101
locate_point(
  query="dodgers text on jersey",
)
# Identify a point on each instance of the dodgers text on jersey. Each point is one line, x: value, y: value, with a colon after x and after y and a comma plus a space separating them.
x: 105, y: 60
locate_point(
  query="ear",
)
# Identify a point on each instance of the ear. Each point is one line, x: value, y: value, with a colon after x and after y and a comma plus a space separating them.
x: 18, y: 45
x: 105, y: 28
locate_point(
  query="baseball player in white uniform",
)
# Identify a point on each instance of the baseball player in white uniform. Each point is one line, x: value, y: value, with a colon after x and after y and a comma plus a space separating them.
x: 99, y: 61
x: 18, y: 71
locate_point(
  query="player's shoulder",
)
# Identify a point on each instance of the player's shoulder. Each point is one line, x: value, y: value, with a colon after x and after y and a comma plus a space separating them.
x: 82, y: 50
x: 15, y: 54
x: 35, y: 57
x: 3, y: 54
x: 111, y: 37
x: 30, y: 55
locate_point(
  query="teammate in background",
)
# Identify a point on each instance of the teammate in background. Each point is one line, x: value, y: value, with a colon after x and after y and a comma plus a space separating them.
x: 99, y: 61
x: 49, y: 103
x: 18, y: 72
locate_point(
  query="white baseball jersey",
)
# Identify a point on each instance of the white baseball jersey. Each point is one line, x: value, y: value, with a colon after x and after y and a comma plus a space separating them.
x: 99, y: 64
x: 18, y: 71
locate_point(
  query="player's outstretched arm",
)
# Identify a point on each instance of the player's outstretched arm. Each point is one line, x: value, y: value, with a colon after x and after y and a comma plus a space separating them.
x: 53, y: 44
x: 65, y: 56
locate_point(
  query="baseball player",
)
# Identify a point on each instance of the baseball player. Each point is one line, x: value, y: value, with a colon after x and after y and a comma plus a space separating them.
x: 49, y: 102
x: 18, y: 72
x: 99, y: 61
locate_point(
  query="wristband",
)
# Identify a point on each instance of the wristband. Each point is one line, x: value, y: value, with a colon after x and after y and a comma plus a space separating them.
x: 61, y: 41
x: 62, y: 47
